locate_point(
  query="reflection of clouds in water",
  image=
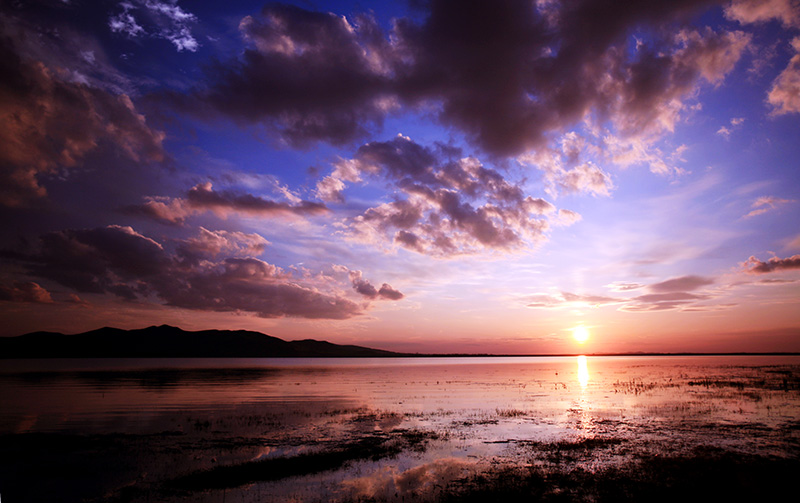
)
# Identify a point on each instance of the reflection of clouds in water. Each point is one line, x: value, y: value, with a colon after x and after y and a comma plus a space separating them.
x: 418, y: 481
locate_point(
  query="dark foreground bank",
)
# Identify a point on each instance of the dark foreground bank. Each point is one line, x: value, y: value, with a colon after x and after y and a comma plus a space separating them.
x: 88, y: 468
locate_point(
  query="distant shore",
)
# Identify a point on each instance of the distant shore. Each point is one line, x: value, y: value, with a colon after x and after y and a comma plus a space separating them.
x: 166, y: 341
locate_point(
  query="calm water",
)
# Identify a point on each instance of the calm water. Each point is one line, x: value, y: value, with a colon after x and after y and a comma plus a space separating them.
x: 447, y: 417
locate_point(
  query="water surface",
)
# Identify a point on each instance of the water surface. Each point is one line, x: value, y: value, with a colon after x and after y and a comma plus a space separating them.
x: 401, y: 426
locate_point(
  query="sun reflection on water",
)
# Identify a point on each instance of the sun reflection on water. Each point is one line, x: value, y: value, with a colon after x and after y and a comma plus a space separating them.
x: 583, y: 371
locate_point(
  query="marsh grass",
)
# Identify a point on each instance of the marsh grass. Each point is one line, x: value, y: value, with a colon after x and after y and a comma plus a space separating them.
x: 706, y: 474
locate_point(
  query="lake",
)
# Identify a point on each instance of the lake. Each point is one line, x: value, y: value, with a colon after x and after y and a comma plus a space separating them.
x: 399, y: 429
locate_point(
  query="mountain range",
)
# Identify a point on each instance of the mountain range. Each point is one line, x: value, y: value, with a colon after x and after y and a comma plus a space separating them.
x: 166, y: 341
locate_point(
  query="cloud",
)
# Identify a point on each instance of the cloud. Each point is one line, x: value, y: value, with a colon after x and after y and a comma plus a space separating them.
x: 755, y: 266
x: 570, y: 164
x: 760, y: 11
x: 664, y: 302
x: 766, y: 203
x: 161, y: 19
x: 443, y: 207
x: 562, y: 299
x: 52, y: 123
x: 309, y: 75
x: 621, y: 286
x: 776, y: 281
x: 164, y: 209
x: 682, y: 284
x: 200, y: 274
x: 586, y: 178
x: 111, y: 259
x: 568, y: 217
x: 25, y: 291
x: 212, y: 243
x: 506, y: 73
x: 726, y: 131
x: 366, y: 288
x: 253, y: 286
x: 675, y: 293
x: 203, y: 197
x: 784, y: 96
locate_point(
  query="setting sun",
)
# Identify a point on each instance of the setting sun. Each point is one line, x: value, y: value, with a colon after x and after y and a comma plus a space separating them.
x: 581, y: 334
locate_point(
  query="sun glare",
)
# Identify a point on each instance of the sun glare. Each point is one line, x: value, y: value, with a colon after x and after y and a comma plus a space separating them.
x: 581, y: 334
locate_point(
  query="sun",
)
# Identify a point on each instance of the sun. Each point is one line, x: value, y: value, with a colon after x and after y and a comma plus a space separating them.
x: 581, y: 334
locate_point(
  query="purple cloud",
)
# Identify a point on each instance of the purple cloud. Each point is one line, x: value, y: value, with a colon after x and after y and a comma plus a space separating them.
x: 756, y: 266
x: 52, y: 122
x: 682, y: 284
x: 443, y: 207
x: 203, y: 197
x: 366, y: 288
x: 120, y: 261
x: 505, y: 73
x: 25, y: 291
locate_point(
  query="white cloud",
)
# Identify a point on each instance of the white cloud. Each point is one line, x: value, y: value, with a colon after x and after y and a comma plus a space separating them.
x: 157, y: 19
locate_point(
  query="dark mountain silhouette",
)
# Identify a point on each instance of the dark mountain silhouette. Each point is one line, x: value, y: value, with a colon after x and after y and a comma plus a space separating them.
x: 171, y: 342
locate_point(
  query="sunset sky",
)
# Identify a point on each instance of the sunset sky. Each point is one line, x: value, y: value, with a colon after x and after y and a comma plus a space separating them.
x: 443, y: 176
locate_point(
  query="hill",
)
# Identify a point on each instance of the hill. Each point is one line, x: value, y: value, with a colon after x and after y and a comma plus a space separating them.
x: 166, y: 341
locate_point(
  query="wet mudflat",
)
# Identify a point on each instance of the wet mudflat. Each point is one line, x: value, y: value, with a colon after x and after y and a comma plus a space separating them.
x: 525, y: 429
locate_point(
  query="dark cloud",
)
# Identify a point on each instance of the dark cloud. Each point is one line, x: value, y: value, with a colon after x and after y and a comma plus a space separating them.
x: 311, y: 75
x: 682, y: 284
x: 506, y: 73
x: 25, y: 291
x: 110, y: 259
x: 251, y: 285
x: 756, y: 266
x: 52, y: 119
x: 203, y: 197
x: 387, y: 292
x: 122, y: 262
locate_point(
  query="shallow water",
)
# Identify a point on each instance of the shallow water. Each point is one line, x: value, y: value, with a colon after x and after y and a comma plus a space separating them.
x: 433, y: 420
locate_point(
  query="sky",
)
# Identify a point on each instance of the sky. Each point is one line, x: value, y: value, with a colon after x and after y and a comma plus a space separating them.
x: 426, y: 176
